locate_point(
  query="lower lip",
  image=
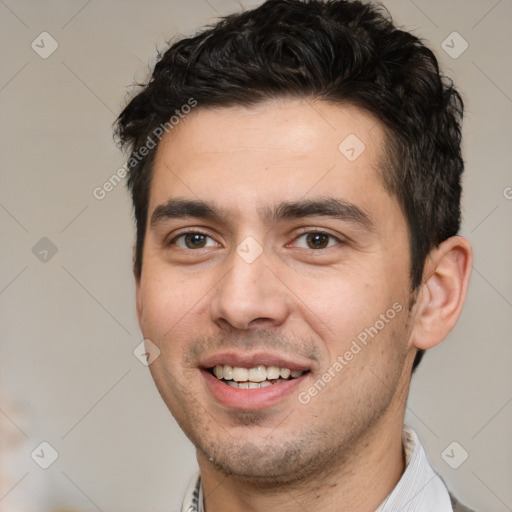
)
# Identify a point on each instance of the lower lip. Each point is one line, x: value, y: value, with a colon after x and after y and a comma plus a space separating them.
x: 250, y: 399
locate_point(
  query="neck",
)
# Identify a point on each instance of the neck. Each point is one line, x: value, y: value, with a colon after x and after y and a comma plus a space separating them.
x: 359, y: 480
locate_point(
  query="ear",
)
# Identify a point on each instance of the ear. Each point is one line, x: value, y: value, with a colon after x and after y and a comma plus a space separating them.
x: 443, y: 291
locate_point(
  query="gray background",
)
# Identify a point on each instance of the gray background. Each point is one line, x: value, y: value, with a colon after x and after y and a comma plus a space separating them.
x: 67, y: 371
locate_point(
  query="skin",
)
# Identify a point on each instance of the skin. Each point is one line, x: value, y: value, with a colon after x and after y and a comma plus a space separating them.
x: 342, y: 450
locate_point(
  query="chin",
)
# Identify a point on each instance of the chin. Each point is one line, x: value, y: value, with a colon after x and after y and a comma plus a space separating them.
x: 267, y: 465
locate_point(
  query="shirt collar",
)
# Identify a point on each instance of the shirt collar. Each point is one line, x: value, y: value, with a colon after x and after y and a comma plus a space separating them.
x: 193, y: 501
x: 419, y: 489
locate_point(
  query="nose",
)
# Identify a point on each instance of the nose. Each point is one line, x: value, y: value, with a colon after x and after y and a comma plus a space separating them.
x: 250, y: 295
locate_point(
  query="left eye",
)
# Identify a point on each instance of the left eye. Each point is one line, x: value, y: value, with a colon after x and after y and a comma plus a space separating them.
x: 193, y: 241
x: 316, y: 240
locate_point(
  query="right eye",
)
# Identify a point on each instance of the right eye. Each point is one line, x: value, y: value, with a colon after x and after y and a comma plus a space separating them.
x: 193, y: 240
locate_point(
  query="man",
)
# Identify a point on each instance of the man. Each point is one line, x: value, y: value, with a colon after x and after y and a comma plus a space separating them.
x: 295, y: 173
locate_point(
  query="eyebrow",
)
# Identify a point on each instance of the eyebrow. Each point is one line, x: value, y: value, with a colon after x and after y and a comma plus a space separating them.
x: 182, y: 208
x: 326, y: 207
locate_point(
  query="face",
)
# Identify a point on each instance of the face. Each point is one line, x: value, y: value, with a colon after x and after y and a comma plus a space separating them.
x: 275, y: 283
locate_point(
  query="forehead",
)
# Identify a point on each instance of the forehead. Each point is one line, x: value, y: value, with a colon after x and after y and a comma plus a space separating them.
x: 276, y: 151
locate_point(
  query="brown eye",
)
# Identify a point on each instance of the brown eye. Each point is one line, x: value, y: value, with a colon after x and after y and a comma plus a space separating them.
x: 316, y: 240
x: 193, y: 240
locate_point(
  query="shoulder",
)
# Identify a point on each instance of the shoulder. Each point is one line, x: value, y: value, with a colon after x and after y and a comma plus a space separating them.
x: 458, y: 506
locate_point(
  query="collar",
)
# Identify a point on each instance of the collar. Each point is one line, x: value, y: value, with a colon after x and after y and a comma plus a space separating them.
x: 419, y: 490
x: 193, y: 501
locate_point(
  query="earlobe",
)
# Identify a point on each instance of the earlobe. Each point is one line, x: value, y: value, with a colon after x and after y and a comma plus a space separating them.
x: 442, y: 294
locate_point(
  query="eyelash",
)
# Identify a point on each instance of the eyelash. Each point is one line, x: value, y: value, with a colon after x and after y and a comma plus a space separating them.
x: 184, y: 234
x: 305, y: 231
x: 312, y: 231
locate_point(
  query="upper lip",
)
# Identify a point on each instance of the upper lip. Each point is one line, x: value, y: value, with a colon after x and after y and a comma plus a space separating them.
x: 251, y: 360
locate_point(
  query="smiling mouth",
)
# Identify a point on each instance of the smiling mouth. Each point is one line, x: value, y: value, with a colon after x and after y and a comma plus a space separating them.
x: 254, y: 378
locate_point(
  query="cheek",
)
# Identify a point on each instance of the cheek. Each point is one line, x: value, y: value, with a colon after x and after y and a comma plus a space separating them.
x: 344, y: 306
x: 343, y: 300
x: 169, y: 303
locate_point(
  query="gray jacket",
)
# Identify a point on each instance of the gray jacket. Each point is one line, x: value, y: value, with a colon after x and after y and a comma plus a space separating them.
x: 459, y: 507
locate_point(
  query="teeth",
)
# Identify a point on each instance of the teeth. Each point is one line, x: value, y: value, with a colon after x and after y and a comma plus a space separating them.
x: 239, y: 374
x: 260, y: 375
x: 252, y: 385
x: 285, y: 373
x: 272, y: 372
x: 227, y: 372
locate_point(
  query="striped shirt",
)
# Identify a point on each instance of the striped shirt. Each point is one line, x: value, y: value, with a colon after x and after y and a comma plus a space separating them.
x: 419, y: 489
